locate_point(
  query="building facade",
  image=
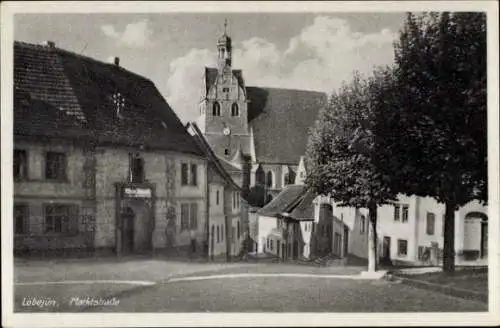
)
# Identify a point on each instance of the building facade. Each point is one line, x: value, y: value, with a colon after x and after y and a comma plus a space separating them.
x: 101, y: 161
x: 227, y: 219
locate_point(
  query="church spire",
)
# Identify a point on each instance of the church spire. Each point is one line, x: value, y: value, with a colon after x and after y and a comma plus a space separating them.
x: 224, y: 49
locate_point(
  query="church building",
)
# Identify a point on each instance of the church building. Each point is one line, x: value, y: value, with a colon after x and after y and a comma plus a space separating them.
x: 257, y: 132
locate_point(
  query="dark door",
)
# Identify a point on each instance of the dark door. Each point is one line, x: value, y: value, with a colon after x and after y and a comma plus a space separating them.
x: 127, y: 218
x: 346, y: 241
x: 295, y: 249
x: 484, y: 239
x: 278, y: 247
x: 386, y: 248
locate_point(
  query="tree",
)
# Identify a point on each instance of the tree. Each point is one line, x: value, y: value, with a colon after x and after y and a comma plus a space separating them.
x: 341, y: 152
x: 437, y: 110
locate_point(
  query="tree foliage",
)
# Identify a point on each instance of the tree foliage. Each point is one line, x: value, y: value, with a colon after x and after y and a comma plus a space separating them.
x: 340, y: 152
x: 342, y: 147
x: 438, y: 113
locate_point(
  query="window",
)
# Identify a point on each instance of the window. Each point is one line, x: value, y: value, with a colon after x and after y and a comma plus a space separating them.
x: 136, y: 168
x: 223, y: 228
x: 430, y: 224
x: 194, y: 176
x: 55, y: 166
x: 260, y: 176
x: 235, y: 111
x: 341, y: 216
x: 189, y: 216
x: 21, y: 218
x: 271, y: 244
x: 286, y: 179
x: 405, y: 213
x: 269, y: 180
x: 213, y: 232
x: 184, y: 216
x: 20, y: 164
x: 225, y: 89
x: 217, y: 197
x: 402, y: 247
x: 238, y: 229
x: 218, y: 234
x: 226, y: 152
x: 189, y: 174
x: 216, y: 109
x: 184, y: 174
x: 61, y: 218
x: 396, y: 213
x: 362, y: 223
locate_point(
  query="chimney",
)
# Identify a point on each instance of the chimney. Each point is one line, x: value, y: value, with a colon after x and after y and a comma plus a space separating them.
x: 117, y: 61
x: 50, y: 44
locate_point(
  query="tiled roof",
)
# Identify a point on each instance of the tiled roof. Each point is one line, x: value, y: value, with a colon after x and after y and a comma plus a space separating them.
x: 63, y: 94
x: 286, y: 198
x: 304, y: 210
x: 281, y: 119
x: 228, y: 166
x: 205, y: 147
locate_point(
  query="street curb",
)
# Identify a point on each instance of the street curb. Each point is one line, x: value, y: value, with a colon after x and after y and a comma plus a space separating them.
x: 447, y: 290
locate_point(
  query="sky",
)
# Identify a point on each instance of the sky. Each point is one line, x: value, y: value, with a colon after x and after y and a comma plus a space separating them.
x: 311, y: 51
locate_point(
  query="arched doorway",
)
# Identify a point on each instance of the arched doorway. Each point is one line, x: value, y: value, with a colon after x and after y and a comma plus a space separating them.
x: 476, y: 235
x: 127, y: 218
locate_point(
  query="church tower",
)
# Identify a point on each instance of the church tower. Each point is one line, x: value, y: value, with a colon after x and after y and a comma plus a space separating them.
x: 224, y: 105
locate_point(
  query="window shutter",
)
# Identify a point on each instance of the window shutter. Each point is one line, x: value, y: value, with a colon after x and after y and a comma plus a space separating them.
x: 194, y: 216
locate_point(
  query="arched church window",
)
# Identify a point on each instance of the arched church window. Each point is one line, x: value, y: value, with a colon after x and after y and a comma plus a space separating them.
x: 269, y: 179
x: 235, y: 110
x: 260, y: 176
x: 216, y: 109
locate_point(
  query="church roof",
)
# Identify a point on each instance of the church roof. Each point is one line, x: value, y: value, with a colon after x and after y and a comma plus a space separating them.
x: 281, y: 119
x: 58, y: 93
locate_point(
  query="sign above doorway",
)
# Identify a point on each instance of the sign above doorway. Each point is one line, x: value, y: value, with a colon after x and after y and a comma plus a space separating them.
x: 137, y: 192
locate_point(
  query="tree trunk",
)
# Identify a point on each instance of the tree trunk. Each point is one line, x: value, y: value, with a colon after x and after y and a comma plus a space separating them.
x: 449, y: 239
x: 372, y: 239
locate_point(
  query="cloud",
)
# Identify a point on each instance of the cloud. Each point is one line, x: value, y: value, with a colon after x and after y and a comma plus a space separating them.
x: 135, y: 35
x: 320, y: 57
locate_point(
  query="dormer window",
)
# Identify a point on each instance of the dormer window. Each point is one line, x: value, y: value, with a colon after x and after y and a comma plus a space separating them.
x: 216, y: 109
x: 235, y: 110
x: 119, y: 103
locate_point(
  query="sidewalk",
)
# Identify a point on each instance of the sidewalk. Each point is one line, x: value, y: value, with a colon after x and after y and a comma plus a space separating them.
x: 468, y: 283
